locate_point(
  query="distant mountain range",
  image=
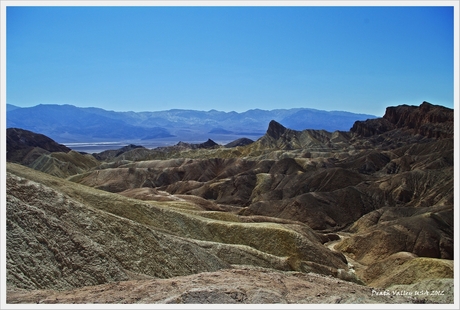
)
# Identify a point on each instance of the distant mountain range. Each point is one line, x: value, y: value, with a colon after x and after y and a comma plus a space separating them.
x: 67, y: 123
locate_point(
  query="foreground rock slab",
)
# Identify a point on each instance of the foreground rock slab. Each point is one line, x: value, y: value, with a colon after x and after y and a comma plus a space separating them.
x: 241, y: 285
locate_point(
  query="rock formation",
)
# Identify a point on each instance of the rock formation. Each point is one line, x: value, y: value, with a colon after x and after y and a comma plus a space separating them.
x: 373, y: 206
x: 432, y: 121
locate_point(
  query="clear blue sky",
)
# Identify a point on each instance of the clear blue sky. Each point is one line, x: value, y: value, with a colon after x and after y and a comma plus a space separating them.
x: 357, y: 59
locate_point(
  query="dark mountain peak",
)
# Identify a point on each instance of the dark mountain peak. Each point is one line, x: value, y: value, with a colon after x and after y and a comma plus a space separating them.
x: 19, y: 138
x: 275, y: 129
x: 183, y: 144
x: 110, y: 154
x: 239, y: 142
x: 426, y: 106
x: 208, y: 144
x: 24, y: 145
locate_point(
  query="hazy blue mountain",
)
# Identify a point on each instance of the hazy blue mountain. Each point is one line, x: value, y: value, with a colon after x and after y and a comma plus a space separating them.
x: 317, y: 119
x: 10, y: 107
x: 67, y: 123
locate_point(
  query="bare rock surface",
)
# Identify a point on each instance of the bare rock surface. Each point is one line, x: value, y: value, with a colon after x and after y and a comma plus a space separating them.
x: 429, y: 120
x: 229, y: 286
x: 400, y: 270
x: 78, y: 236
x: 57, y: 242
x: 63, y: 164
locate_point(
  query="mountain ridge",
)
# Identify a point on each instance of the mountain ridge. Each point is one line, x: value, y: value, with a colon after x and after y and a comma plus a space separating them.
x: 68, y: 123
x: 428, y: 120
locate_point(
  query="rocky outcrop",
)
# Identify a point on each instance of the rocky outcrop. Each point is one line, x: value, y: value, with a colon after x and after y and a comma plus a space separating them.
x: 372, y: 127
x: 282, y: 138
x: 275, y: 130
x: 428, y: 120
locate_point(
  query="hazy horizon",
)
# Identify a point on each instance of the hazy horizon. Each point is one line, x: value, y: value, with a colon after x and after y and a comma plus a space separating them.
x: 191, y: 109
x: 359, y: 59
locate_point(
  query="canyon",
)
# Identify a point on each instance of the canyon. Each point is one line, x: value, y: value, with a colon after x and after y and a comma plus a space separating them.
x: 295, y: 216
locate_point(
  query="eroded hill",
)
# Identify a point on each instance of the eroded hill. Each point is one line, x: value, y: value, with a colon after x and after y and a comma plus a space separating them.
x: 373, y: 206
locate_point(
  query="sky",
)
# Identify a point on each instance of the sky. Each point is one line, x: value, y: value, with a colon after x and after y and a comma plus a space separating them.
x: 360, y: 59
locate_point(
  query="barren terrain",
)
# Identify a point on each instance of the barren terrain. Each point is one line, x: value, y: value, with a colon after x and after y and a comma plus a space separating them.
x: 364, y: 216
